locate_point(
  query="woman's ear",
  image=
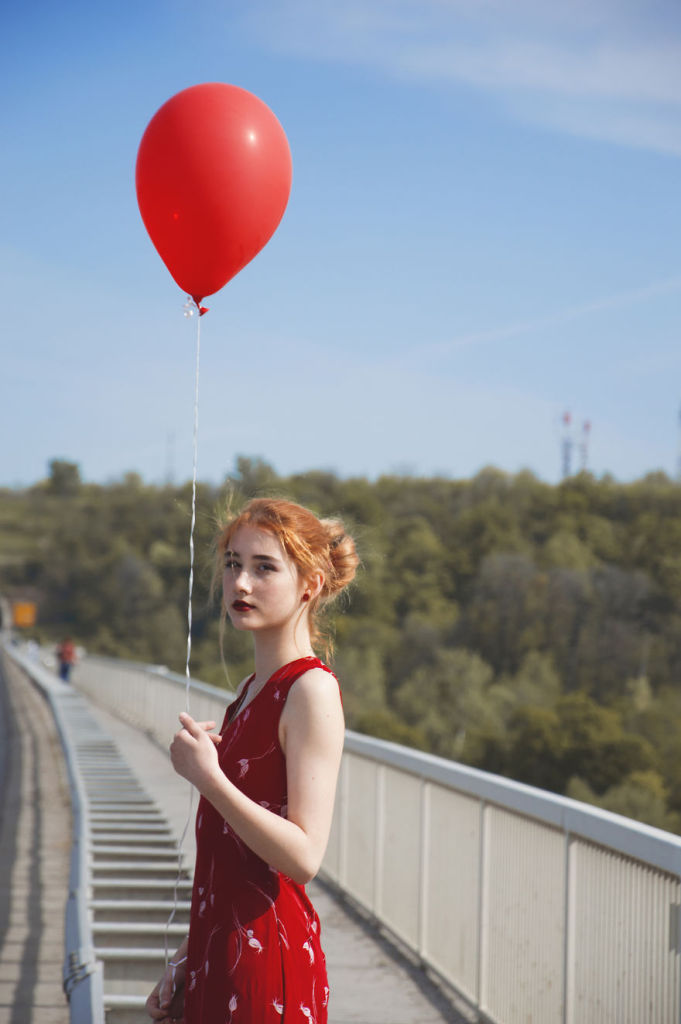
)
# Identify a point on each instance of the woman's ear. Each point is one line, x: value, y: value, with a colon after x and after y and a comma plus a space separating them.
x: 313, y: 586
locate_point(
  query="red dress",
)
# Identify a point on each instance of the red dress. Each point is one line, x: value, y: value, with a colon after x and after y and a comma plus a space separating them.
x: 254, y: 952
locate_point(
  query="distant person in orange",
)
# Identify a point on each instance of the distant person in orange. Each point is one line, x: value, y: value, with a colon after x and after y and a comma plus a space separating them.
x: 66, y: 655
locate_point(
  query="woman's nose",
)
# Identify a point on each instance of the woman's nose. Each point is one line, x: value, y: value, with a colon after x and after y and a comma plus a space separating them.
x: 242, y: 580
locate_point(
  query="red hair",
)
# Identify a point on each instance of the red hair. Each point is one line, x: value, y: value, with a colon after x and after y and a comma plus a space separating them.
x: 312, y: 544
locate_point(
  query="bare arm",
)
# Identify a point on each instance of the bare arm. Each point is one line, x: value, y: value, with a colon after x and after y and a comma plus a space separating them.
x: 311, y: 734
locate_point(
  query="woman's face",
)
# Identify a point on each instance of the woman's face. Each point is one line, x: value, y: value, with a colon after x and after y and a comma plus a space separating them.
x: 260, y: 585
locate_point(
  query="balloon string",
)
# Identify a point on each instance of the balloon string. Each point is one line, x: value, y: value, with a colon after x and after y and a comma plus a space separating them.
x: 180, y: 845
x: 191, y: 532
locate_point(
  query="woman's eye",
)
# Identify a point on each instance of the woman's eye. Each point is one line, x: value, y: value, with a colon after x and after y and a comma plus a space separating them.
x: 269, y: 568
x: 231, y: 564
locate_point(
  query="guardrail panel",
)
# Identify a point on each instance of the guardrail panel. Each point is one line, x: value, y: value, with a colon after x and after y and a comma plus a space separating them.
x: 360, y: 856
x: 450, y: 941
x: 400, y: 870
x: 148, y: 698
x: 624, y: 943
x: 524, y: 920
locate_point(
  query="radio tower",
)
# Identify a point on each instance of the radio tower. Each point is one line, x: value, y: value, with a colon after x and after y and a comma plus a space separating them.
x: 566, y: 445
x: 584, y: 446
x: 678, y: 459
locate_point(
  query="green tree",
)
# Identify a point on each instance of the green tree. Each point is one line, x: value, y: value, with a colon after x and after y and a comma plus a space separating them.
x: 536, y: 747
x: 447, y: 698
x: 595, y: 747
x: 64, y: 478
x: 641, y: 795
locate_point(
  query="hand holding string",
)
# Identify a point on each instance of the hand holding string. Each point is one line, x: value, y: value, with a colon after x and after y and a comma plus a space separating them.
x: 193, y: 751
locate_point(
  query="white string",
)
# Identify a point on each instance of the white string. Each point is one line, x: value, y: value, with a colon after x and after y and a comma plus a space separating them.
x: 191, y: 532
x: 180, y: 846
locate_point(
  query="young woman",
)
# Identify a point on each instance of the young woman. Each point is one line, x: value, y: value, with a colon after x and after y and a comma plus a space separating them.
x: 267, y: 784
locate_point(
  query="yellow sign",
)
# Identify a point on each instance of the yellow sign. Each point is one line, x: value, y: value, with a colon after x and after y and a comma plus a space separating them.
x: 23, y: 614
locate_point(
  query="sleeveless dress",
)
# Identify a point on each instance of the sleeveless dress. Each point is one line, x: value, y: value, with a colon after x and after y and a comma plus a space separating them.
x: 254, y: 953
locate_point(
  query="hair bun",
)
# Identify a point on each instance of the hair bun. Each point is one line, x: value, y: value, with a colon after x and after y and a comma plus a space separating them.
x: 342, y: 556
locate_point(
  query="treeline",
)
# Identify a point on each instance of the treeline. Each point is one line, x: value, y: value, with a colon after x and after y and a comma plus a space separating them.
x: 527, y: 629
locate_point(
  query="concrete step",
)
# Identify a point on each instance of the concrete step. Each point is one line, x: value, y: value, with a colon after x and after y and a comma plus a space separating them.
x: 154, y: 911
x: 130, y: 970
x: 103, y: 804
x: 160, y: 840
x: 110, y: 777
x: 112, y: 851
x: 137, y: 935
x: 146, y: 820
x: 121, y: 888
x: 113, y: 793
x: 153, y: 818
x: 162, y: 869
x: 124, y: 1009
x: 107, y: 827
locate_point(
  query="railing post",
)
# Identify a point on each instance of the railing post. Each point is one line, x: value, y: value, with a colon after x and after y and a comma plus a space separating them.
x: 568, y: 930
x: 482, y: 902
x: 678, y: 947
x: 379, y: 840
x: 424, y: 858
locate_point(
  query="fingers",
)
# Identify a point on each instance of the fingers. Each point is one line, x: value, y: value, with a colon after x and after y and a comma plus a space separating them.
x: 166, y: 994
x: 207, y: 726
x: 154, y: 1010
x: 165, y: 1004
x: 193, y: 728
x: 198, y: 729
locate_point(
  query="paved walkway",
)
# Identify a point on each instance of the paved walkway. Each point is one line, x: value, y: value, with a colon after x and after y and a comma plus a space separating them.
x: 371, y: 983
x: 35, y: 846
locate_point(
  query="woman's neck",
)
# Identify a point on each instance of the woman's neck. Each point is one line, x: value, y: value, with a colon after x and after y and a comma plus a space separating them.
x: 273, y: 652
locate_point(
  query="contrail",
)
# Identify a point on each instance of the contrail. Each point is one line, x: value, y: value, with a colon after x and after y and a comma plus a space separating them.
x: 563, y: 316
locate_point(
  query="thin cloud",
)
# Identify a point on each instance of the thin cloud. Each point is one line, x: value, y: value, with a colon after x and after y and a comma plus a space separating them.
x: 606, y: 303
x: 605, y: 69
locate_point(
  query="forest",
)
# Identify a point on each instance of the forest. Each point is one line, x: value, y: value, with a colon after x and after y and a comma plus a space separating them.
x: 529, y: 629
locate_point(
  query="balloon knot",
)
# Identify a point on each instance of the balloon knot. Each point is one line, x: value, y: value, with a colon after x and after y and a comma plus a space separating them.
x: 193, y: 305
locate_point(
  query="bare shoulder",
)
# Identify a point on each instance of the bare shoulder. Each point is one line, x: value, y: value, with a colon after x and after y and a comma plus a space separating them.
x: 314, y: 703
x: 317, y: 686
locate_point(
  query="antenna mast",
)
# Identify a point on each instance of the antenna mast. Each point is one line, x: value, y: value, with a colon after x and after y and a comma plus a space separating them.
x: 584, y: 446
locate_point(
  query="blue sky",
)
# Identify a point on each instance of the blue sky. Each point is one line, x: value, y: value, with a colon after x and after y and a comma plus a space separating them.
x: 483, y: 232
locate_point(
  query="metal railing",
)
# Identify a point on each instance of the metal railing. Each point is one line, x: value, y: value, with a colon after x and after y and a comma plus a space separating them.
x: 533, y: 907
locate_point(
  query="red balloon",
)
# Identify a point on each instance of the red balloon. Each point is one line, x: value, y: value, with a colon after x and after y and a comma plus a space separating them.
x: 213, y: 178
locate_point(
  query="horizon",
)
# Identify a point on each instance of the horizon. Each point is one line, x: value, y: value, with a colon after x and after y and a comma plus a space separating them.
x: 397, y: 472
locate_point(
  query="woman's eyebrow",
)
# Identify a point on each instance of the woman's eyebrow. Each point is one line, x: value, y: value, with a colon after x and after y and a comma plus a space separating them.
x: 230, y: 553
